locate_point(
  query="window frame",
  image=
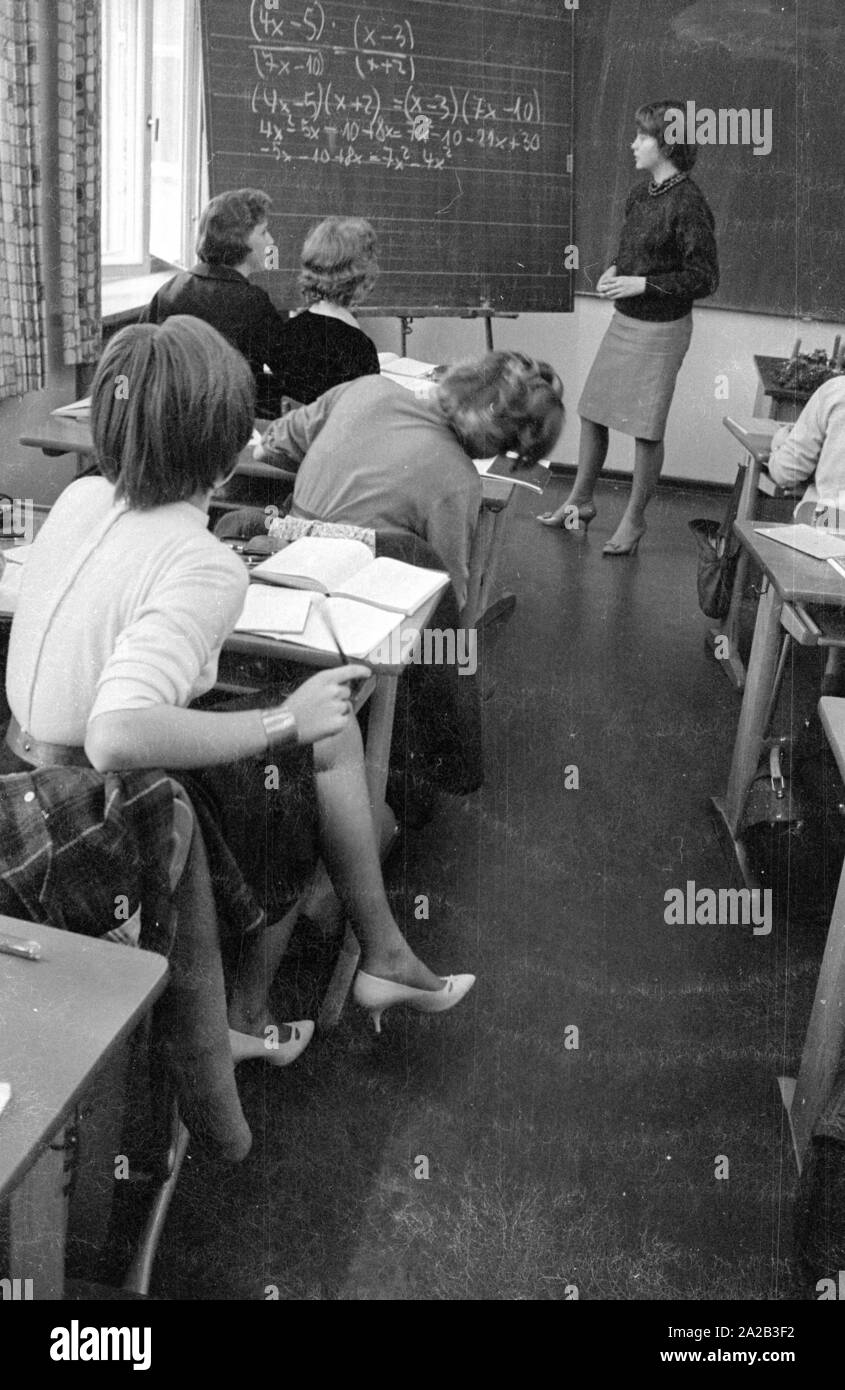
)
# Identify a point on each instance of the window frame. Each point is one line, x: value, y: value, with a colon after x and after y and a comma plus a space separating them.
x: 136, y: 259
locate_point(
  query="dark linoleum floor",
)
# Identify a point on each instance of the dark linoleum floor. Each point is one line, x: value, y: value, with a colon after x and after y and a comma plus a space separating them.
x: 565, y: 1126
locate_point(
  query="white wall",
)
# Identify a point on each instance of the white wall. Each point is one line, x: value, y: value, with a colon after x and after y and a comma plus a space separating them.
x: 723, y: 342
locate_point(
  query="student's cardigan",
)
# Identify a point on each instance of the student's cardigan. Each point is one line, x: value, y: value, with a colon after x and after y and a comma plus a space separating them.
x: 815, y: 444
x: 374, y: 454
x: 118, y: 610
x: 668, y: 237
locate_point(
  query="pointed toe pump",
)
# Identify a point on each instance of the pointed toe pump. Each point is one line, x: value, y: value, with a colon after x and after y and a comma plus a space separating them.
x: 572, y: 518
x: 375, y: 995
x: 615, y: 548
x: 247, y: 1048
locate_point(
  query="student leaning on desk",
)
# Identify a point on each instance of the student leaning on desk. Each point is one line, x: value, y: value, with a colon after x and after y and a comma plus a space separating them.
x: 125, y: 603
x: 370, y: 453
x: 813, y: 449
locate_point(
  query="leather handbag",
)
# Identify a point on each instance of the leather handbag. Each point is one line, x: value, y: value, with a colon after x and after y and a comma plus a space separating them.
x: 718, y: 553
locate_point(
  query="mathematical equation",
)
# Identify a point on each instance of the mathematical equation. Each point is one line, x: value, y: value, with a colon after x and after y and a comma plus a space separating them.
x: 385, y: 117
x: 307, y: 42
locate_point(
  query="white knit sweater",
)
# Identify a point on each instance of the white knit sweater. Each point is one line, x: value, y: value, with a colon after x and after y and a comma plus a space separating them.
x: 118, y: 610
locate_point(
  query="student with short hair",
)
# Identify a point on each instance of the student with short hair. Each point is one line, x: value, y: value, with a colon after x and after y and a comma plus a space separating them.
x: 324, y: 343
x: 232, y: 245
x: 371, y: 453
x: 124, y: 606
x: 666, y: 260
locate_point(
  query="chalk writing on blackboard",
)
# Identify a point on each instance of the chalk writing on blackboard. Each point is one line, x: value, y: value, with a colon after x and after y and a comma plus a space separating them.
x: 345, y: 91
x: 447, y: 123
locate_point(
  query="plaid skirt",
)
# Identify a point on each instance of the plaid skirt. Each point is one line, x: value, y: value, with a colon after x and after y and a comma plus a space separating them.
x: 79, y: 849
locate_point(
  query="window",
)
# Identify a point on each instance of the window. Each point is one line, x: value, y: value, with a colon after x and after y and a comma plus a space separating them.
x: 153, y: 137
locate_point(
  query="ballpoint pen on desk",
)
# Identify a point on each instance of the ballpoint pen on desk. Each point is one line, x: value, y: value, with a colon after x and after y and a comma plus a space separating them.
x: 17, y: 946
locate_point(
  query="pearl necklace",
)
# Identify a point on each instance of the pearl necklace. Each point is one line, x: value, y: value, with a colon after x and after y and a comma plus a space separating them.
x: 655, y: 189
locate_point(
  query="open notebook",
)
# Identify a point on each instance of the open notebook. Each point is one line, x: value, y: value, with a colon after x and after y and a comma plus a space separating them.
x: 346, y: 569
x: 353, y: 629
x: 393, y: 365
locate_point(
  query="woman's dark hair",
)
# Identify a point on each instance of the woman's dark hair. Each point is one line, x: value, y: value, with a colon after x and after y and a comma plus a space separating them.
x: 226, y: 222
x: 654, y: 118
x: 172, y: 406
x: 505, y: 402
x: 338, y: 261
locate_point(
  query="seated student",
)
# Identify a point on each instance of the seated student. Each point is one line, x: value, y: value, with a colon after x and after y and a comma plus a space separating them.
x: 231, y: 246
x: 813, y: 449
x: 324, y: 345
x: 372, y: 453
x: 124, y: 606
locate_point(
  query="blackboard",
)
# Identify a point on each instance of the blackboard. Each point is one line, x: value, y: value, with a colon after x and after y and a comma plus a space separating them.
x: 447, y: 124
x: 779, y: 216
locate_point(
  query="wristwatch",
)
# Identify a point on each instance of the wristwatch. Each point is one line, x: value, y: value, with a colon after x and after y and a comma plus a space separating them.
x: 279, y: 726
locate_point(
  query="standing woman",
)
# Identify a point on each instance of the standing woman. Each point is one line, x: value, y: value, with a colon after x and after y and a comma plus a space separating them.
x: 666, y: 259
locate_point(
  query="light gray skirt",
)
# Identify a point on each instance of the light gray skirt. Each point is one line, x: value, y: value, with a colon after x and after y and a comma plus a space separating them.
x: 632, y: 380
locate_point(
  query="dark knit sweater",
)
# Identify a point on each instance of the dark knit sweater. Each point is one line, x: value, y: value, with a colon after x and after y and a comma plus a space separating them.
x: 669, y: 239
x: 321, y: 352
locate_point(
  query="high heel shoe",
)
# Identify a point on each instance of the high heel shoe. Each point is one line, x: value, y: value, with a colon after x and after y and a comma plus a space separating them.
x: 375, y: 995
x: 614, y: 548
x: 572, y: 513
x: 250, y: 1048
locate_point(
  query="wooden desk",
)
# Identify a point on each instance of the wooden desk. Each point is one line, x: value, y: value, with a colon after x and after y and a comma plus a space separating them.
x: 785, y: 402
x: 806, y: 1097
x: 61, y: 1019
x: 60, y: 435
x: 487, y: 544
x: 790, y: 580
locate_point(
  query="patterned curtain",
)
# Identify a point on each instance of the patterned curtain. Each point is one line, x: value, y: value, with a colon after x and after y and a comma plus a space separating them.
x: 21, y: 324
x: 78, y: 24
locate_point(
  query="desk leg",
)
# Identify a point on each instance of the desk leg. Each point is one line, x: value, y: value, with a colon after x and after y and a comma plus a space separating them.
x: 377, y: 758
x: 732, y: 664
x: 37, y: 1224
x: 728, y: 634
x: 749, y: 736
x: 379, y: 739
x: 805, y: 1098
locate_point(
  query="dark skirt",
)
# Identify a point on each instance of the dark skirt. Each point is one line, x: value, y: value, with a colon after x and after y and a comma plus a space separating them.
x: 261, y: 813
x: 632, y: 380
